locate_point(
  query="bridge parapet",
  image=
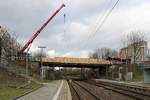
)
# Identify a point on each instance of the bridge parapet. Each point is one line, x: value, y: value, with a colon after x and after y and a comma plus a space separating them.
x: 76, y: 60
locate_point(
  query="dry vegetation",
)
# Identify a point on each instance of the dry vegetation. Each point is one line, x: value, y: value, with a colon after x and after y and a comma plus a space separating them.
x: 8, y: 83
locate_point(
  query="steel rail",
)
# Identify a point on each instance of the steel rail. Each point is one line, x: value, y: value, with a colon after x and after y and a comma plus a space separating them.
x: 71, y: 86
x: 97, y: 98
x: 120, y: 90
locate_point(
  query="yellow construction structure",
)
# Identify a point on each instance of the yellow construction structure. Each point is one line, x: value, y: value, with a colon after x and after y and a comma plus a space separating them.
x: 76, y: 61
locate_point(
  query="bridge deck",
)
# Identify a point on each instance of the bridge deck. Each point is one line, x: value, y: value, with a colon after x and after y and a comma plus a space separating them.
x: 64, y: 61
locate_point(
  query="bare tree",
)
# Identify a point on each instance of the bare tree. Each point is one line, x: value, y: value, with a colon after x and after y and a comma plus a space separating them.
x: 134, y: 42
x: 8, y: 45
x: 96, y: 54
x: 103, y: 53
x: 124, y: 45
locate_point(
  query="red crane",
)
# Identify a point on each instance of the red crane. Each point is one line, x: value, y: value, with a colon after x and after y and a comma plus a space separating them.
x: 40, y: 29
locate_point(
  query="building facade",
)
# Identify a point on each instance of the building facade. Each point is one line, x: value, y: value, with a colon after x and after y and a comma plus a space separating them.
x: 137, y: 52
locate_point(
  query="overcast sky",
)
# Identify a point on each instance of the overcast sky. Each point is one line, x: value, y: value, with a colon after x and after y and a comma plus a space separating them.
x: 82, y: 18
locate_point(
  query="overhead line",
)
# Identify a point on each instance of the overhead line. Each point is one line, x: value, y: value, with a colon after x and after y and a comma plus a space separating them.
x: 106, y: 17
x: 104, y: 20
x: 101, y: 17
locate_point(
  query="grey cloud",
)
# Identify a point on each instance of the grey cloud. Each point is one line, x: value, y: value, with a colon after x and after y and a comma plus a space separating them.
x: 25, y: 16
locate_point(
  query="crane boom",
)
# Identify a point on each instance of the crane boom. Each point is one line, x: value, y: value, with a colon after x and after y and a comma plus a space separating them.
x: 40, y: 29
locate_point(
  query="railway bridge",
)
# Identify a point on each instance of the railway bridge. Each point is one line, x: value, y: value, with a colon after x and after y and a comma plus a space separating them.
x: 101, y: 66
x: 75, y: 62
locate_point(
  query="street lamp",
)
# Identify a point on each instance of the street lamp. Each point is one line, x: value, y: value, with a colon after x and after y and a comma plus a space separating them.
x: 42, y: 73
x: 27, y: 60
x: 41, y: 47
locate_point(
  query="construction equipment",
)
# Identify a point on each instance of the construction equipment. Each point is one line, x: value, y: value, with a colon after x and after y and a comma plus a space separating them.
x: 40, y: 29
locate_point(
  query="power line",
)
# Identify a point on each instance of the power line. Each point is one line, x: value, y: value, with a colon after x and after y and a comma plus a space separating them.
x: 99, y: 19
x: 105, y: 18
x: 103, y: 21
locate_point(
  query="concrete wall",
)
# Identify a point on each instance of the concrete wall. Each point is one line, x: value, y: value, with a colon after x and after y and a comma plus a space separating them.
x: 147, y: 75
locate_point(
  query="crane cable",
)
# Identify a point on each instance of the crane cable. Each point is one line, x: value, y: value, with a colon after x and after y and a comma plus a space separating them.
x: 65, y: 24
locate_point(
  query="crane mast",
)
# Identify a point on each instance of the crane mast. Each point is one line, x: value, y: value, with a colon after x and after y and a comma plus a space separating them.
x: 40, y: 29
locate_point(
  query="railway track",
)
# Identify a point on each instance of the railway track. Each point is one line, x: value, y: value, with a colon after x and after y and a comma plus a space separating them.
x: 135, y: 92
x: 74, y: 93
x: 81, y: 93
x: 92, y: 90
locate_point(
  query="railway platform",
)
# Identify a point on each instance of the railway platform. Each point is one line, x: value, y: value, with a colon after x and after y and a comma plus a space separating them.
x: 56, y: 90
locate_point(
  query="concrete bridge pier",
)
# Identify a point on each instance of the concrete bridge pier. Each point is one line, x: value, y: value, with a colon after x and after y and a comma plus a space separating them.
x: 102, y: 72
x: 146, y: 75
x: 82, y: 75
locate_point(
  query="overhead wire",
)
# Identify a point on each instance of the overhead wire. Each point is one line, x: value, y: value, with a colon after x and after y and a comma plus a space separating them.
x: 102, y: 23
x: 98, y: 19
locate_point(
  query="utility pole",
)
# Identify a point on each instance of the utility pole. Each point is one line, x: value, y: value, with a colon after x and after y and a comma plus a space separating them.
x: 27, y: 61
x: 41, y: 63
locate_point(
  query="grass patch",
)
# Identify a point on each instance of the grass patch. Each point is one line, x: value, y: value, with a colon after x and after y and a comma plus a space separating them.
x: 7, y: 93
x: 8, y: 79
x: 137, y: 78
